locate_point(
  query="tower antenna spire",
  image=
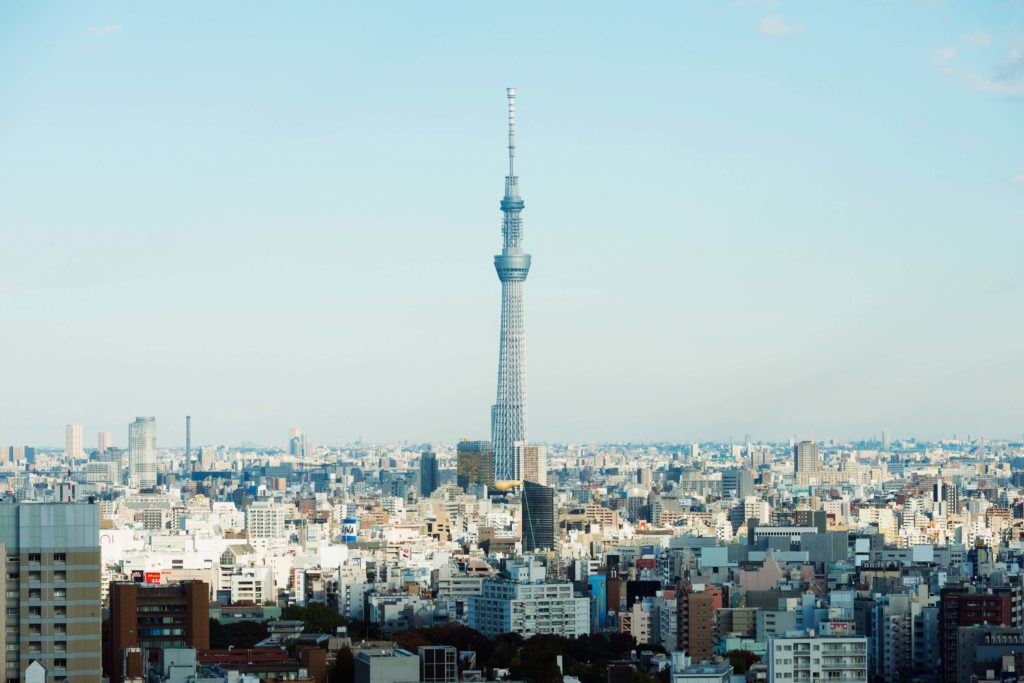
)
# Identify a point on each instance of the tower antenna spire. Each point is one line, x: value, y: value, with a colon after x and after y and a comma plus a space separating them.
x: 511, y: 131
x: 508, y: 414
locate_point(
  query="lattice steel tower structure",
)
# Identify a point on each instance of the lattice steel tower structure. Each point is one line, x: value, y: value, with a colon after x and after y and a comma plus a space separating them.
x: 508, y: 415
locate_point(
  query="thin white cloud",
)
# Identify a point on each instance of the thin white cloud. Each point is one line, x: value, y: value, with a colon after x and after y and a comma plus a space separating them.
x: 1018, y: 179
x: 1005, y: 78
x: 103, y: 31
x: 775, y: 25
x: 944, y: 56
x: 978, y: 39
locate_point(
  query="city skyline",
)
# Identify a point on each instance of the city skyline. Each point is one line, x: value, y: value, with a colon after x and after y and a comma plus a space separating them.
x: 773, y: 428
x: 738, y: 235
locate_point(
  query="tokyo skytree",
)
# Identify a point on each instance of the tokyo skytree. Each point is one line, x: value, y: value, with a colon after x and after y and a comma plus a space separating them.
x: 508, y: 415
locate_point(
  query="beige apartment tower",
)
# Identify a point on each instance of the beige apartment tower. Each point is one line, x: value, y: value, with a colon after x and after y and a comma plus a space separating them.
x: 73, y: 441
x: 533, y: 462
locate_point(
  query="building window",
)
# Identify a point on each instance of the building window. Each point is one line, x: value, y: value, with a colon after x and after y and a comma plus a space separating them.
x: 60, y: 576
x: 60, y: 629
x: 60, y: 611
x: 35, y: 576
x: 60, y: 557
x: 60, y: 593
x: 34, y: 594
x: 35, y: 611
x: 60, y: 663
x: 35, y: 557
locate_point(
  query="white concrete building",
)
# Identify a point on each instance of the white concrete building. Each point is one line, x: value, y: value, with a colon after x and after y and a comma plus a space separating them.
x: 253, y: 584
x: 801, y: 656
x: 265, y: 519
x: 529, y: 609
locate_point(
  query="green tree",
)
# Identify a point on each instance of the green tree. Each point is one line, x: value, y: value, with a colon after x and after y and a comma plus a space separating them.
x: 316, y: 617
x: 538, y: 667
x: 741, y: 660
x: 344, y: 669
x: 240, y: 634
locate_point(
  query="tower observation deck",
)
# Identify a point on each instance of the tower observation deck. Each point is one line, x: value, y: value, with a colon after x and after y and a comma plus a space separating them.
x: 508, y: 415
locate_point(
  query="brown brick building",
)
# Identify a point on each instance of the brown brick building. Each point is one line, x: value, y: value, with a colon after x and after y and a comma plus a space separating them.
x: 145, y: 618
x: 695, y: 613
x: 967, y: 605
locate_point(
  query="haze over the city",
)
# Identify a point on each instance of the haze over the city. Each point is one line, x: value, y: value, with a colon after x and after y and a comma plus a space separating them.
x: 766, y: 218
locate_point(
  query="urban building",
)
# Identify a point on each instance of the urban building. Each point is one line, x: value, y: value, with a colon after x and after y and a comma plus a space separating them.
x: 299, y: 443
x: 73, y: 442
x: 538, y: 517
x: 146, y: 620
x: 429, y: 474
x: 142, y: 452
x: 474, y: 464
x: 695, y: 628
x: 686, y: 670
x: 528, y: 609
x: 438, y: 664
x: 806, y: 460
x: 968, y: 605
x: 52, y: 587
x: 387, y: 666
x: 802, y: 656
x: 533, y: 463
x: 265, y: 520
x: 104, y: 440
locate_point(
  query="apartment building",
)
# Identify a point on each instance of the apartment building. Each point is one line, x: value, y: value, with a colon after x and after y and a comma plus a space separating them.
x: 803, y: 656
x: 51, y: 586
x: 529, y: 609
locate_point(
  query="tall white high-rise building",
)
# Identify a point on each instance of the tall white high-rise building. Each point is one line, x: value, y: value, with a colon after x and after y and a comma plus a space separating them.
x: 142, y: 452
x: 73, y: 441
x: 104, y: 440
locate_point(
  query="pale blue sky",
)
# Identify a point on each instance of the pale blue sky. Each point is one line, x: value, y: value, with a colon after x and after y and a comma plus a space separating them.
x: 746, y: 217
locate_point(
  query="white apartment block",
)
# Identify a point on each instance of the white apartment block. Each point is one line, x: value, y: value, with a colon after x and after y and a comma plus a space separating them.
x: 801, y: 656
x: 264, y: 519
x: 253, y: 585
x: 529, y: 609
